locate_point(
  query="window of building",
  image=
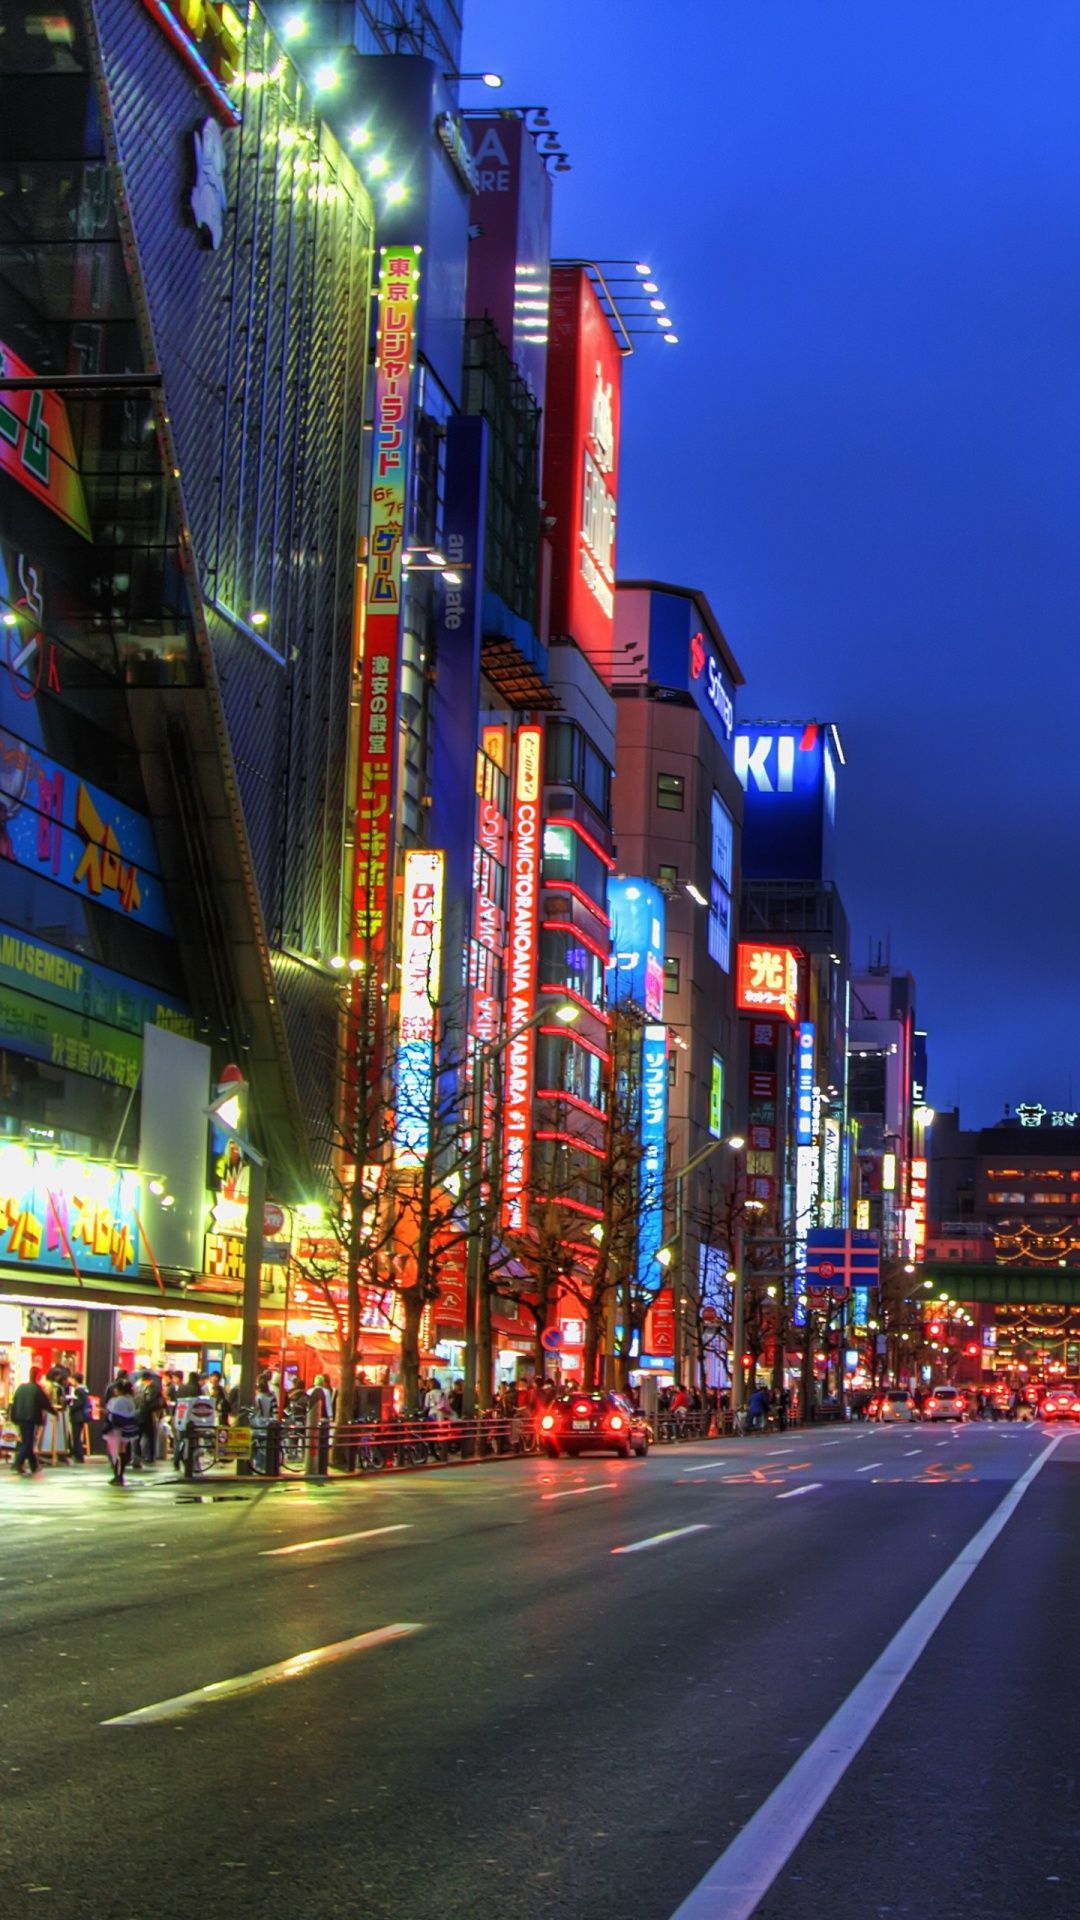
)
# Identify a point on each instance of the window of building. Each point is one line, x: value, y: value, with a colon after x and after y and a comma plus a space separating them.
x: 671, y: 974
x: 667, y: 876
x: 670, y: 788
x: 672, y: 1067
x: 722, y: 843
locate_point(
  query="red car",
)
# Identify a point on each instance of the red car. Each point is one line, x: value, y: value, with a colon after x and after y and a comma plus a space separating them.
x: 580, y: 1421
x: 1061, y: 1403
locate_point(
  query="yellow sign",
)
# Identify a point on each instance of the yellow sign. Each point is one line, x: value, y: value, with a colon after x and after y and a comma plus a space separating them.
x: 234, y: 1443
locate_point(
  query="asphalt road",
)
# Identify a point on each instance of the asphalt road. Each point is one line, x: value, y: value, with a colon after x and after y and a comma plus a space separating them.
x: 568, y: 1729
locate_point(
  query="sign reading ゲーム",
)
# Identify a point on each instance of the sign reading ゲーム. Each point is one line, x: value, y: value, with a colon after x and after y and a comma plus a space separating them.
x: 767, y: 979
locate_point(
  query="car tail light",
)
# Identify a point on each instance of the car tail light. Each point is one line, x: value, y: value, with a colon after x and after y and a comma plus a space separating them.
x: 616, y: 1422
x: 548, y: 1422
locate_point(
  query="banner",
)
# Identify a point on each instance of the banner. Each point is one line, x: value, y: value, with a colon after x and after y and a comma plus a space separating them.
x: 59, y: 1215
x: 399, y: 278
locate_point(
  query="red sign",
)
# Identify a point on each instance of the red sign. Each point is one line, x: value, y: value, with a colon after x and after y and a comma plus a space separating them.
x: 399, y: 277
x: 521, y: 970
x: 581, y: 465
x: 36, y: 447
x: 767, y: 976
x: 660, y: 1324
x: 919, y: 1176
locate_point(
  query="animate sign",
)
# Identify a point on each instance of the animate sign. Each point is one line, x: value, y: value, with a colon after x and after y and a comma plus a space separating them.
x: 767, y: 977
x: 521, y: 969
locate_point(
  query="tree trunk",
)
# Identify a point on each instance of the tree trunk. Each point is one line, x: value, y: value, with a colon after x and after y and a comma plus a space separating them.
x: 413, y: 1309
x: 484, y: 1342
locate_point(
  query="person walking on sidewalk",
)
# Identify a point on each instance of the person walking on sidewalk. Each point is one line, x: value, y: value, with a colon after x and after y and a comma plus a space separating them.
x: 120, y: 1429
x: 80, y: 1414
x: 29, y: 1405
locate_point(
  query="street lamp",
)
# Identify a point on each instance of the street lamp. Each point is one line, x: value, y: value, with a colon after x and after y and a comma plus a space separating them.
x: 566, y: 1012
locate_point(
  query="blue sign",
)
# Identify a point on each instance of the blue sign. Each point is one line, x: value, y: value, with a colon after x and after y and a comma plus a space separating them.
x: 842, y: 1257
x: 60, y: 827
x: 789, y: 776
x: 860, y: 1305
x: 636, y: 968
x: 654, y: 1085
x: 804, y: 1085
x: 684, y: 656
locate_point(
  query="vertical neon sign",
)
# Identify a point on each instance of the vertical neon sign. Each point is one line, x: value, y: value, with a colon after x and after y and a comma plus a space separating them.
x: 421, y: 949
x: 654, y: 1081
x: 521, y: 983
x: 399, y: 280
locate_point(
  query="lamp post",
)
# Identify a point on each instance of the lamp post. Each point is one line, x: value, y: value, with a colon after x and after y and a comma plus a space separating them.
x: 566, y: 1012
x: 735, y: 1142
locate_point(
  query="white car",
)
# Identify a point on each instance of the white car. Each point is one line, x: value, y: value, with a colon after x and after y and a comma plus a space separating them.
x: 895, y: 1404
x: 945, y: 1403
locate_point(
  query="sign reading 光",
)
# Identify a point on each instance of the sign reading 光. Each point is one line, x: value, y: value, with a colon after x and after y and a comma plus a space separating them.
x: 767, y: 978
x: 521, y: 970
x: 421, y: 946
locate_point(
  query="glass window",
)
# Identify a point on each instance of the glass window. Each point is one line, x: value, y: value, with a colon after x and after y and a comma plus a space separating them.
x: 566, y: 962
x: 720, y: 924
x: 669, y: 791
x: 671, y: 974
x: 561, y: 756
x: 672, y: 1067
x: 667, y: 876
x: 723, y: 841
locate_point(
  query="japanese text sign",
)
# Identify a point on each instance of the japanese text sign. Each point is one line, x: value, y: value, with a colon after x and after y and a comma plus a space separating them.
x: 767, y: 977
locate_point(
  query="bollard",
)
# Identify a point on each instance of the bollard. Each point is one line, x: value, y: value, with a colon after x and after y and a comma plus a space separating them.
x: 273, y: 1449
x: 318, y: 1451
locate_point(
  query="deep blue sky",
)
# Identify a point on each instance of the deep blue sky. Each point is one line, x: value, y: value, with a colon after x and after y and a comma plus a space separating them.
x: 866, y: 448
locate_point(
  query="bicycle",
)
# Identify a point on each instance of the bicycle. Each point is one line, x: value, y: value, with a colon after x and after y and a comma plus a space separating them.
x: 202, y: 1443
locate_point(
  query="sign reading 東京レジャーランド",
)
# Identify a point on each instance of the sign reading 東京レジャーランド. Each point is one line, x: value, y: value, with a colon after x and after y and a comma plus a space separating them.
x: 372, y: 895
x: 521, y: 970
x: 767, y: 980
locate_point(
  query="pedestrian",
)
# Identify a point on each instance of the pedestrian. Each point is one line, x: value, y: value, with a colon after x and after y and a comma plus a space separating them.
x: 434, y: 1399
x: 758, y: 1408
x: 221, y: 1400
x: 30, y: 1404
x: 81, y: 1413
x: 457, y: 1398
x: 783, y: 1408
x: 150, y: 1406
x: 120, y: 1429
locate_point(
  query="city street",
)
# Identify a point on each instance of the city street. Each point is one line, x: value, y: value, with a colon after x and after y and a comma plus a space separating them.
x: 565, y: 1687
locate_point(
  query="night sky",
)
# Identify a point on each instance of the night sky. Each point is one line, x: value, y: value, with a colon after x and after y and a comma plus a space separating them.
x: 866, y: 448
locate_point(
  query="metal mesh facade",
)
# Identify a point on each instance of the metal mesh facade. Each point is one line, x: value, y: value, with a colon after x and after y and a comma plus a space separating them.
x: 263, y: 345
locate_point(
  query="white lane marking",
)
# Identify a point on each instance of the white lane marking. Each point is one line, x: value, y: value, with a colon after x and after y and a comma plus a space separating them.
x: 774, y: 1452
x: 334, y: 1540
x: 912, y: 1451
x: 594, y: 1486
x: 830, y: 1443
x: 661, y: 1539
x: 943, y: 1443
x: 707, y: 1466
x: 794, y: 1492
x: 291, y: 1669
x: 738, y: 1881
x: 869, y: 1468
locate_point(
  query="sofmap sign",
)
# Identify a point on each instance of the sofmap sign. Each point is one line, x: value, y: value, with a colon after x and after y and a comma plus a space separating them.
x: 654, y: 1081
x: 636, y: 967
x: 521, y: 970
x: 707, y: 673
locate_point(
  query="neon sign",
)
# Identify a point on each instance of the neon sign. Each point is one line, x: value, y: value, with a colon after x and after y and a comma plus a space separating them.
x: 767, y: 977
x: 804, y: 1085
x: 706, y: 670
x: 36, y: 447
x: 210, y: 40
x: 521, y: 969
x: 421, y: 949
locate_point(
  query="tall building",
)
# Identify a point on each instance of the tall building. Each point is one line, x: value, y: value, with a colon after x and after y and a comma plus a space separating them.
x: 891, y: 1147
x: 678, y: 817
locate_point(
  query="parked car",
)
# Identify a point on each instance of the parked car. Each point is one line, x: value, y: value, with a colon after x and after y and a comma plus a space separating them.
x: 945, y: 1403
x: 578, y: 1421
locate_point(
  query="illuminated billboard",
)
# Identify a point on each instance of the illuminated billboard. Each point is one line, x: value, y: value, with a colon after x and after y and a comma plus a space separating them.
x: 581, y: 465
x: 804, y: 1084
x: 36, y: 447
x: 61, y: 1214
x: 920, y: 1174
x: 767, y: 980
x: 421, y: 947
x: 654, y: 1089
x: 788, y: 773
x: 636, y: 968
x: 210, y: 40
x: 521, y: 969
x: 399, y: 279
